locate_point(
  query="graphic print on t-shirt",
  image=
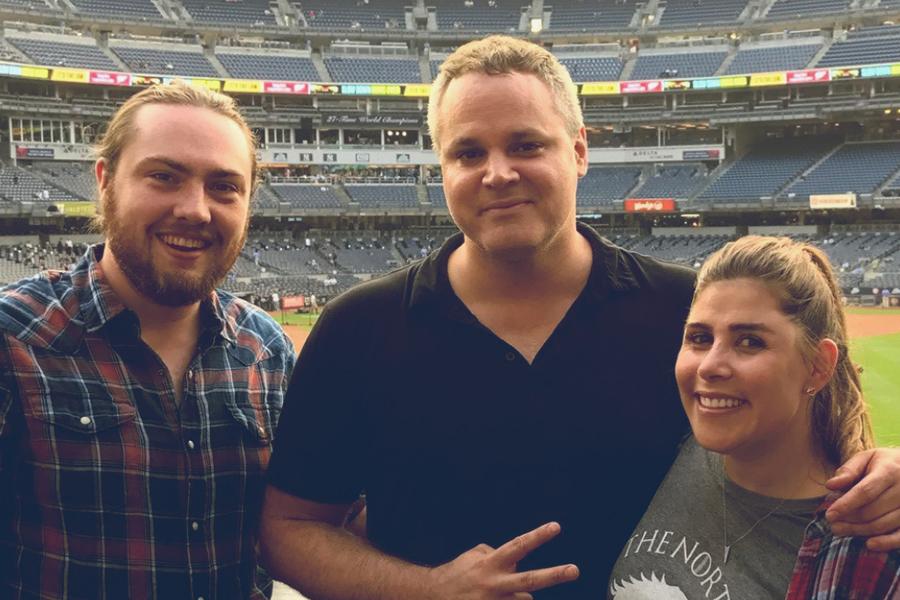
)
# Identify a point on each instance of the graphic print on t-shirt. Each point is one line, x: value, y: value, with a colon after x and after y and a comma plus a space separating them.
x: 667, y: 566
x: 645, y: 589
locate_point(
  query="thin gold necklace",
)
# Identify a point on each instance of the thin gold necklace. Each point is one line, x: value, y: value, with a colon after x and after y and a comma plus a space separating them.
x: 726, y: 546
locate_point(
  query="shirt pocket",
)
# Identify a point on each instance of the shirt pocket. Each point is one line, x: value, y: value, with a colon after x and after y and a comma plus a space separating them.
x: 252, y: 416
x: 84, y: 451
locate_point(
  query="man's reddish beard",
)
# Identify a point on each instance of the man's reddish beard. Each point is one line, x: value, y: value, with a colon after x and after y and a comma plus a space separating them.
x: 165, y: 288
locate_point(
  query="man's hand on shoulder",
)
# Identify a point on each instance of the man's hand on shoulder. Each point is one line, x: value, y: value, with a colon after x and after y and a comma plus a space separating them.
x: 484, y: 573
x: 871, y: 506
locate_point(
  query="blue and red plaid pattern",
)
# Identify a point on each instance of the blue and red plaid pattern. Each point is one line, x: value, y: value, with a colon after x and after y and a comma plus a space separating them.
x: 108, y: 489
x: 841, y: 568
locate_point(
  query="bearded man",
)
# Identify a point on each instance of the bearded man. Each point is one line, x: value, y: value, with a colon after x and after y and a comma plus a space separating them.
x: 137, y: 402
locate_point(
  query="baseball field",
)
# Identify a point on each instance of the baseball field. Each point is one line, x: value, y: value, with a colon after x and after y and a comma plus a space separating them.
x: 875, y: 345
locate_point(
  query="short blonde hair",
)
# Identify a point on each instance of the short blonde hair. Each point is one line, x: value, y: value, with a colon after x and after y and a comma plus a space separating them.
x: 801, y: 277
x: 500, y: 54
x: 120, y: 128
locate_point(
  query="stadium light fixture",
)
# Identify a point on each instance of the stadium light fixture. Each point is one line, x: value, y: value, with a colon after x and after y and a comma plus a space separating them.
x: 537, y: 24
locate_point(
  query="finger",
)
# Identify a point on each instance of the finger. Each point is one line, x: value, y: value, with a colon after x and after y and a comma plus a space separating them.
x: 861, y: 495
x: 518, y: 548
x: 850, y: 471
x: 539, y: 579
x: 884, y: 543
x: 883, y: 525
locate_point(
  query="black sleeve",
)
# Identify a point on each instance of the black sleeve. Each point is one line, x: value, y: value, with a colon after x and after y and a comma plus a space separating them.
x: 319, y: 448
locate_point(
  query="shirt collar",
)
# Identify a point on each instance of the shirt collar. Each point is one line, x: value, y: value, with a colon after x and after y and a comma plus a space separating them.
x: 610, y: 271
x: 100, y: 304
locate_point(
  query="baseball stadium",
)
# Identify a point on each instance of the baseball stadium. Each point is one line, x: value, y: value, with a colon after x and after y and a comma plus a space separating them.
x: 706, y: 120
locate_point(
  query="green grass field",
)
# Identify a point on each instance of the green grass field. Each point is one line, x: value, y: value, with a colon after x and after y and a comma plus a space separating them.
x: 879, y: 356
x: 305, y: 320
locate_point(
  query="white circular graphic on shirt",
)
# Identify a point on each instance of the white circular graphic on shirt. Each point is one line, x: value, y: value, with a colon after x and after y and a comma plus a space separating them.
x: 646, y: 589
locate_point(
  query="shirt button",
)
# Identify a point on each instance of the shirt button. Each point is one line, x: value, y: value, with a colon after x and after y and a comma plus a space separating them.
x: 190, y: 444
x: 510, y: 356
x: 190, y: 373
x: 261, y: 431
x: 85, y: 420
x: 195, y: 525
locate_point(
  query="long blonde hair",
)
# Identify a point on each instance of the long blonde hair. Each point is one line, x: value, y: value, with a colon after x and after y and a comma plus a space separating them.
x: 805, y: 284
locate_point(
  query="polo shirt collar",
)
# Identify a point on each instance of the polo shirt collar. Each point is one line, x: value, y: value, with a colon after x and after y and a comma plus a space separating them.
x: 611, y: 272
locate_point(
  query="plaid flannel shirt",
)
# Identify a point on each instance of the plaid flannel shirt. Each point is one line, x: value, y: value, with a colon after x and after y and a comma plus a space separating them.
x: 829, y: 567
x: 107, y: 488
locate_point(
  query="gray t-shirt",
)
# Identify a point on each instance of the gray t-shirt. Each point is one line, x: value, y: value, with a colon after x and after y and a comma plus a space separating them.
x: 676, y: 552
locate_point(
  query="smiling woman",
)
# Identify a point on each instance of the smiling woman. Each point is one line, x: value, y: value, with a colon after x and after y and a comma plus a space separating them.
x: 775, y: 406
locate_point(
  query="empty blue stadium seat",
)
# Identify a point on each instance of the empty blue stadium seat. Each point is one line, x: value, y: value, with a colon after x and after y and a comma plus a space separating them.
x: 878, y: 45
x: 683, y: 13
x: 373, y: 15
x: 236, y: 12
x: 165, y: 61
x: 383, y: 195
x: 269, y: 66
x: 481, y: 16
x: 602, y: 186
x: 797, y: 9
x: 856, y: 167
x: 307, y: 195
x: 596, y: 68
x: 690, y: 64
x: 57, y: 53
x: 373, y: 70
x: 673, y: 181
x: 138, y: 10
x: 766, y: 169
x: 772, y: 58
x: 608, y: 15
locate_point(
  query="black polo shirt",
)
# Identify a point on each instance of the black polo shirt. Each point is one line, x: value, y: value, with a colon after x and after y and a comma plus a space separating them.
x: 400, y: 392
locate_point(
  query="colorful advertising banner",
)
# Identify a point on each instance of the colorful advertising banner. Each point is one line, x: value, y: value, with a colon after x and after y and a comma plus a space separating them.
x: 71, y: 75
x: 849, y: 73
x: 242, y: 86
x: 601, y: 88
x: 110, y: 78
x: 736, y: 81
x: 387, y: 90
x: 711, y: 154
x: 417, y: 90
x: 35, y: 72
x: 650, y: 205
x: 677, y: 84
x: 292, y: 302
x: 26, y: 152
x: 285, y: 87
x: 809, y: 76
x: 212, y: 84
x: 324, y: 88
x: 764, y: 79
x: 822, y: 201
x: 146, y: 80
x: 77, y: 209
x: 640, y: 87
